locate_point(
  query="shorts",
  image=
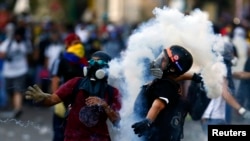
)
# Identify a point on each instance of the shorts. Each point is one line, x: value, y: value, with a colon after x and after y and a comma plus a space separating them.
x: 16, y: 84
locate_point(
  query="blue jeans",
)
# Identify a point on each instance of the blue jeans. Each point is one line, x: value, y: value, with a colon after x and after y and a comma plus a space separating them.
x: 3, y: 96
x: 206, y: 122
x: 58, y: 128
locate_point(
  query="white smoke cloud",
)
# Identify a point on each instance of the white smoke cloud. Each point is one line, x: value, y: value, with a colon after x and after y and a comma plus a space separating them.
x: 242, y: 46
x: 168, y: 27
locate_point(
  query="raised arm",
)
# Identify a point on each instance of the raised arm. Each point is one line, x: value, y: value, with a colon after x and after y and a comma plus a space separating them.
x: 38, y: 96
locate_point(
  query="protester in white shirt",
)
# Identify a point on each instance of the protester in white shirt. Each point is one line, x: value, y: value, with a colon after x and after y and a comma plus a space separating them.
x: 14, y: 51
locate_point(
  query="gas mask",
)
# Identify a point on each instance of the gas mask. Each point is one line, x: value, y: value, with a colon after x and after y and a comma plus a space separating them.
x: 97, y: 70
x: 165, y: 63
x: 155, y: 66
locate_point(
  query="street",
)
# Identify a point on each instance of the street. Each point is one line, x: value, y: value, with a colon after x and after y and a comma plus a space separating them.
x: 35, y: 124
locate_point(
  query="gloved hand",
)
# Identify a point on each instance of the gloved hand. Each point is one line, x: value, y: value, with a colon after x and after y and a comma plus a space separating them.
x: 36, y: 94
x: 197, y: 78
x: 142, y: 128
x: 245, y: 113
x: 156, y: 72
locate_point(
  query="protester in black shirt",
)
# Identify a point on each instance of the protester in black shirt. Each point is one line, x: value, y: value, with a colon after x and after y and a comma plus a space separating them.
x: 160, y: 106
x: 69, y: 65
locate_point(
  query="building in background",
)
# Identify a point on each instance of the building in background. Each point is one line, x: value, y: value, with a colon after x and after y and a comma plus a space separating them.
x: 129, y: 11
x: 139, y: 10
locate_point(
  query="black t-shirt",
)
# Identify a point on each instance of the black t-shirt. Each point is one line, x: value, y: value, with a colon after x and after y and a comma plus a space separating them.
x: 168, y: 125
x: 66, y: 69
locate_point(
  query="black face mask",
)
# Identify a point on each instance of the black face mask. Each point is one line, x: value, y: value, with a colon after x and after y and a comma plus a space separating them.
x: 92, y: 70
x: 18, y: 40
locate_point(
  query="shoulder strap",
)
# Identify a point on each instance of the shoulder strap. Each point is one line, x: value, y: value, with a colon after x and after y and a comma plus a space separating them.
x: 110, y: 94
x: 76, y: 88
x: 71, y: 101
x: 74, y: 93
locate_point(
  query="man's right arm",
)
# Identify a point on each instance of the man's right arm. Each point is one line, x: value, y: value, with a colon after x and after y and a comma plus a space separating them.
x: 38, y: 96
x: 51, y: 100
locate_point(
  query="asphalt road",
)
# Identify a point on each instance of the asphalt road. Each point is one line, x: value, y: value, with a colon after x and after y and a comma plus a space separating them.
x: 35, y: 124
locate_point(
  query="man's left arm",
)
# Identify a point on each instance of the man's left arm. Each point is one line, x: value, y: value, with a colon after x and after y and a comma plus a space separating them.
x: 155, y: 109
x: 142, y: 127
x: 111, y: 111
x: 113, y: 115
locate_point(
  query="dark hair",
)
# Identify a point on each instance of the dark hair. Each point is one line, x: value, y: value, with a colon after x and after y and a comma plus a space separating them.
x: 102, y: 55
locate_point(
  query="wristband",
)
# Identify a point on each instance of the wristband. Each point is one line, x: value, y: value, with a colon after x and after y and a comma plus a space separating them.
x: 242, y: 110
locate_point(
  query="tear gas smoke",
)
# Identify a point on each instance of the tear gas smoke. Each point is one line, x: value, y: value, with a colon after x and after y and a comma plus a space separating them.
x: 169, y: 26
x: 242, y: 46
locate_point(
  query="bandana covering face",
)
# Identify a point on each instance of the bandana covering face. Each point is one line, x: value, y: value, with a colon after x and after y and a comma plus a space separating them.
x: 75, y: 54
x: 77, y: 50
x: 93, y: 88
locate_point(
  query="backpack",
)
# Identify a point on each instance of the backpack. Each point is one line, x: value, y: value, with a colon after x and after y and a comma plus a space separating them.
x: 198, y: 100
x: 140, y: 105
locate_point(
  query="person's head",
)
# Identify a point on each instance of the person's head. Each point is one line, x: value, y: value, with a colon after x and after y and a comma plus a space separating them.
x: 71, y: 39
x: 239, y: 32
x: 97, y: 66
x: 55, y: 37
x: 19, y: 34
x: 10, y: 29
x: 174, y: 60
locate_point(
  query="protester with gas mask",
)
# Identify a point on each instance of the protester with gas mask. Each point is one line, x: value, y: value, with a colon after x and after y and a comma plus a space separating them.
x: 160, y: 106
x: 92, y: 101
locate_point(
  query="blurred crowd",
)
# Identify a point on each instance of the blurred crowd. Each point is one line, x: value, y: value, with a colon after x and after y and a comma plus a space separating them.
x: 43, y: 43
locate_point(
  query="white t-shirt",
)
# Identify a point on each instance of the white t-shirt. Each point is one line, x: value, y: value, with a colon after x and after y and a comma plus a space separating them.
x: 18, y: 52
x: 216, y: 109
x: 53, y: 52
